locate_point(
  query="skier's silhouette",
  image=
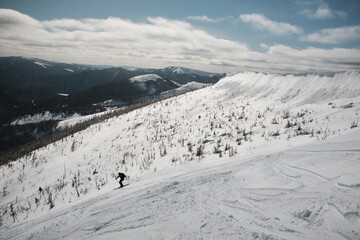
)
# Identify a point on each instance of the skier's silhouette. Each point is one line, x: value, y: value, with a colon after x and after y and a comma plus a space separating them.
x: 122, y: 176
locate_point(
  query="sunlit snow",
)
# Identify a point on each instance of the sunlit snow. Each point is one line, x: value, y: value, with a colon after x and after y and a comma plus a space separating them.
x: 255, y: 156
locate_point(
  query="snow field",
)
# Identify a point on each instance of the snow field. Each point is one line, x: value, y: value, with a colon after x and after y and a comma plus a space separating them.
x: 261, y: 197
x: 250, y: 126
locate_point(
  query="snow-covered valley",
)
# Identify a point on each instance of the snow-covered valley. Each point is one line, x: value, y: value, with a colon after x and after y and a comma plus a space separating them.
x: 255, y: 156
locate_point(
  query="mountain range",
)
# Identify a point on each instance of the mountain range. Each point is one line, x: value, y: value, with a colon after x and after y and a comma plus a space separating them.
x: 31, y: 83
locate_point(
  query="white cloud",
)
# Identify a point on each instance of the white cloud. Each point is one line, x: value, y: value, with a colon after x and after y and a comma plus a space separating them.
x: 12, y: 18
x: 155, y: 42
x: 264, y: 45
x: 223, y: 63
x: 313, y: 59
x: 259, y: 21
x: 322, y: 11
x: 205, y: 18
x: 200, y: 18
x: 334, y: 35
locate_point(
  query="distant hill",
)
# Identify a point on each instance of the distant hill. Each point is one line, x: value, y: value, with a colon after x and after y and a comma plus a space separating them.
x: 183, y: 75
x: 18, y: 72
x: 31, y: 83
x: 126, y: 90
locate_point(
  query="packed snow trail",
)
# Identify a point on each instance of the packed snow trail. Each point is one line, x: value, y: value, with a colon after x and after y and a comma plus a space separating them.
x: 294, y: 194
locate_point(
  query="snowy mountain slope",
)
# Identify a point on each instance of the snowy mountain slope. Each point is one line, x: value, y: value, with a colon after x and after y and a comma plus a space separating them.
x: 183, y: 75
x: 183, y: 70
x: 191, y: 86
x: 264, y: 185
x: 292, y: 89
x: 145, y: 78
x: 76, y: 119
x: 287, y: 195
x: 149, y: 82
x: 159, y: 85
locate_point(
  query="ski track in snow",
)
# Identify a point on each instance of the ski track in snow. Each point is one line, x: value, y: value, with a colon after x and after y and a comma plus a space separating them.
x: 275, y: 187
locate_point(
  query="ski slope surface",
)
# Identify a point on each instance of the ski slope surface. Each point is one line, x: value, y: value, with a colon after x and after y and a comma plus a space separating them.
x: 255, y: 156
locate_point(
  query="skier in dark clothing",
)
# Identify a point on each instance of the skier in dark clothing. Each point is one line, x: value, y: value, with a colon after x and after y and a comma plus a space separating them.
x: 122, y: 176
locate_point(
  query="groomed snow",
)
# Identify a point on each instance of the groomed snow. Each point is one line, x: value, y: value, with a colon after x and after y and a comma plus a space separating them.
x: 279, y: 159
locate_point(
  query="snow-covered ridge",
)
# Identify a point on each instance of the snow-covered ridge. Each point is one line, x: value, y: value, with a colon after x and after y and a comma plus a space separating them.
x: 141, y: 82
x: 191, y: 86
x: 292, y: 89
x: 145, y: 78
x: 183, y: 70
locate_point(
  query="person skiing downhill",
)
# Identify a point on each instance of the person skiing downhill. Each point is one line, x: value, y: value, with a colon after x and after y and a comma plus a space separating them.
x: 122, y: 176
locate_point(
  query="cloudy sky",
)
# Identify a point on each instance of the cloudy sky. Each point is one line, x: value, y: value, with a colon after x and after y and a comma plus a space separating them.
x: 211, y: 35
